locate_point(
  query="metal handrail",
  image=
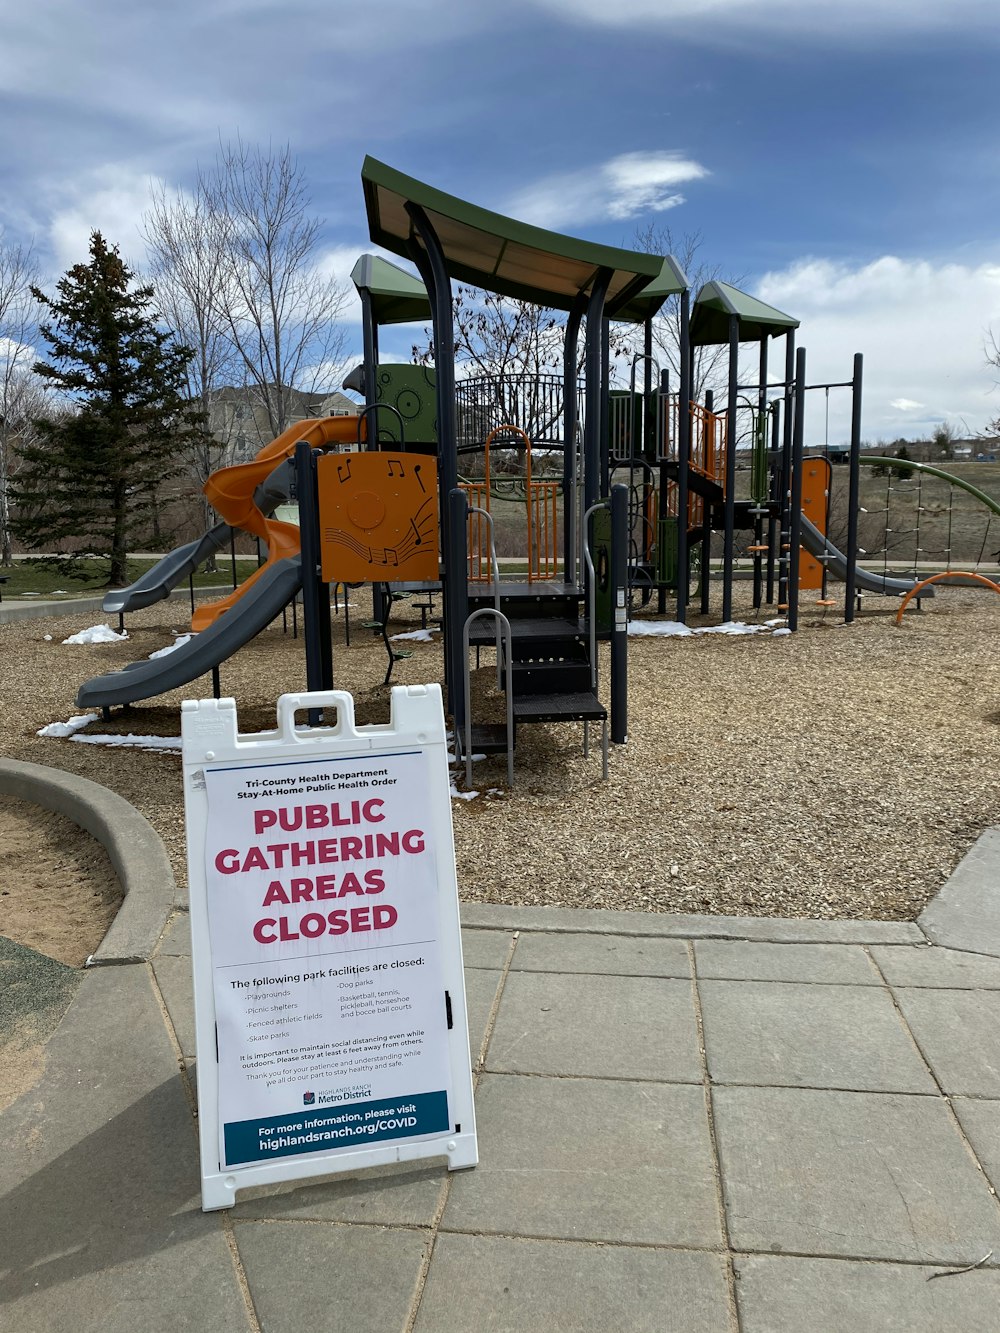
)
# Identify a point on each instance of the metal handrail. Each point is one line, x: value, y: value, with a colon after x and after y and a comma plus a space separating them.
x: 591, y: 586
x: 495, y: 566
x: 503, y: 625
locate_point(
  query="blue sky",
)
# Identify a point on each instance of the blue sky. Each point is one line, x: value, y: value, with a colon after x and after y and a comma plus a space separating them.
x: 838, y: 159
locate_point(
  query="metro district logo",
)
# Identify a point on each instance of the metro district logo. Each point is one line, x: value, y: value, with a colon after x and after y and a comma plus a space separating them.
x: 308, y: 1098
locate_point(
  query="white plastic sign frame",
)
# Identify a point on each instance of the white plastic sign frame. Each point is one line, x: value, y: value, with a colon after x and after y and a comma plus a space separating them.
x: 329, y: 992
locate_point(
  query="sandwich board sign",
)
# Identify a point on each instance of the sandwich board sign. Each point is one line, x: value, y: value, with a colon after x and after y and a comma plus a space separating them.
x: 329, y: 995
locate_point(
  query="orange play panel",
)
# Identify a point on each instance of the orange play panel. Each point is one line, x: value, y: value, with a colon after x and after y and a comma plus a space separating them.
x: 378, y: 517
x: 230, y: 492
x: 815, y: 489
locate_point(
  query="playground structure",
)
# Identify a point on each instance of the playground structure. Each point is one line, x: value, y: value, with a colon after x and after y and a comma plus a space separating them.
x: 645, y: 477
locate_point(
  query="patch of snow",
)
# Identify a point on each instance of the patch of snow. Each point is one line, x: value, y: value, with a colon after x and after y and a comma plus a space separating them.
x: 158, y: 743
x: 457, y: 795
x: 47, y: 638
x: 782, y: 631
x: 179, y: 642
x: 67, y: 728
x: 731, y: 627
x: 418, y: 635
x: 97, y: 634
x: 672, y: 629
x: 668, y: 629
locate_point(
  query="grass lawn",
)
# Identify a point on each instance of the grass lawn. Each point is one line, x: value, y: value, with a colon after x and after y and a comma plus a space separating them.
x: 32, y: 575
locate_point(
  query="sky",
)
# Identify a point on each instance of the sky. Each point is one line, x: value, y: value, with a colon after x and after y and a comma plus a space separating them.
x: 838, y: 160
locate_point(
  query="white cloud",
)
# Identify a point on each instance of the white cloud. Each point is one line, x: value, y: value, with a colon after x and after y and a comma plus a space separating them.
x: 921, y: 327
x: 620, y: 188
x: 111, y: 199
x: 847, y: 22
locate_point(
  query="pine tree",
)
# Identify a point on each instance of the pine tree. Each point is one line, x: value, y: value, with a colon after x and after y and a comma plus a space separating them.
x: 94, y: 477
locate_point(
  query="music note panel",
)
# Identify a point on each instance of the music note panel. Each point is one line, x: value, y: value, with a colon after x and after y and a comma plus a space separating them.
x: 378, y: 518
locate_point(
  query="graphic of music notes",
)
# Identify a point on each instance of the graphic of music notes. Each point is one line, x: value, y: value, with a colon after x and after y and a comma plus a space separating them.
x: 420, y: 480
x: 395, y: 462
x: 416, y: 533
x: 344, y: 470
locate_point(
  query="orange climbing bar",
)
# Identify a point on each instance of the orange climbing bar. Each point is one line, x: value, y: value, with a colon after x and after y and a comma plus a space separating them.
x: 951, y: 574
x: 230, y: 492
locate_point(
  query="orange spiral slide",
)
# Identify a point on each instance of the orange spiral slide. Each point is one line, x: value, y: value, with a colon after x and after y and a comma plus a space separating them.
x: 230, y: 492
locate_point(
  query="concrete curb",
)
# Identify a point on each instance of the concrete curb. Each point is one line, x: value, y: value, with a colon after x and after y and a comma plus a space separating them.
x: 137, y: 854
x: 965, y: 912
x: 13, y: 612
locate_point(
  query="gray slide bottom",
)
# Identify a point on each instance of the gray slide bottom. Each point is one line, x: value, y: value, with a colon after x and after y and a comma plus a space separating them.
x: 157, y: 583
x: 836, y: 562
x: 254, y: 611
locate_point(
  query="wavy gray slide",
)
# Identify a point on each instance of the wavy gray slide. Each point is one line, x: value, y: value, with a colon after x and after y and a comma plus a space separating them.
x: 255, y: 610
x: 156, y: 583
x: 836, y: 562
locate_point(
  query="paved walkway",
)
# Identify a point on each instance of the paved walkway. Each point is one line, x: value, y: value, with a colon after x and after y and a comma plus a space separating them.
x: 691, y: 1124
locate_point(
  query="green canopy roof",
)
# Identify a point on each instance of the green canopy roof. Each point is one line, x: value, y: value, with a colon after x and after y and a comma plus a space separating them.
x: 670, y: 280
x: 717, y: 301
x: 498, y: 253
x: 397, y: 297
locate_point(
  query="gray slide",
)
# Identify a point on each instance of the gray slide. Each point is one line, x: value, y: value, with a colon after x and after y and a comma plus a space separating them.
x: 254, y: 611
x: 836, y: 562
x: 158, y: 582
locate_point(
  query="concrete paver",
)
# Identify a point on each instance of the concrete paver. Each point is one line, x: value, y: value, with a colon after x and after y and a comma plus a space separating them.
x: 790, y: 1295
x: 587, y: 1159
x: 981, y: 1123
x: 513, y: 1285
x: 743, y: 960
x: 771, y: 1032
x: 619, y: 954
x: 966, y: 912
x: 404, y: 1195
x: 485, y: 948
x: 597, y: 1026
x: 958, y: 1033
x: 336, y: 1278
x: 865, y: 1175
x: 949, y: 968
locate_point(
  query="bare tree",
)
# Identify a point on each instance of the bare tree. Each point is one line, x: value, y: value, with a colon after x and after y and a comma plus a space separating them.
x: 21, y: 396
x: 279, y: 311
x: 185, y: 243
x: 709, y: 365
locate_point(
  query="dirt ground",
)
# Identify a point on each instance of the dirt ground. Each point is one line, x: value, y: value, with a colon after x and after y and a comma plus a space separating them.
x: 841, y: 771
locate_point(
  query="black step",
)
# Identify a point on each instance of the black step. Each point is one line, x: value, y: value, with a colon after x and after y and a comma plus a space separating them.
x: 549, y: 678
x: 529, y: 600
x: 489, y: 739
x: 536, y: 631
x: 580, y: 707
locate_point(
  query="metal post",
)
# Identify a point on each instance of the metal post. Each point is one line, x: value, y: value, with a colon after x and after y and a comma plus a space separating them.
x: 429, y: 258
x: 606, y: 408
x: 761, y: 434
x: 571, y: 343
x: 773, y: 494
x: 619, y: 625
x: 592, y: 421
x: 706, y: 528
x: 369, y: 334
x: 795, y: 526
x: 232, y: 553
x: 854, y: 493
x: 683, y: 458
x: 786, y: 464
x: 730, y: 497
x: 305, y: 483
